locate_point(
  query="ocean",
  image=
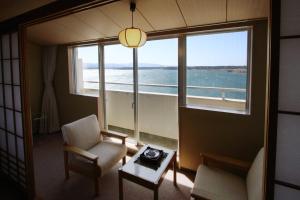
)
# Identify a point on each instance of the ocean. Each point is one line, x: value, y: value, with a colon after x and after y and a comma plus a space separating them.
x: 200, y: 82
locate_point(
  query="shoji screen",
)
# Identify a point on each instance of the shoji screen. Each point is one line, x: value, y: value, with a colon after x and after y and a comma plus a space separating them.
x: 287, y: 169
x: 12, y: 162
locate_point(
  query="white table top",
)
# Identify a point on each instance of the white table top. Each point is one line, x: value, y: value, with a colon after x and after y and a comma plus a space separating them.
x: 146, y: 173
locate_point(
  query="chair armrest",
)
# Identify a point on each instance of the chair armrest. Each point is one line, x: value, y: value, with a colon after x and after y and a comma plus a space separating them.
x: 114, y: 134
x: 80, y: 152
x: 235, y: 163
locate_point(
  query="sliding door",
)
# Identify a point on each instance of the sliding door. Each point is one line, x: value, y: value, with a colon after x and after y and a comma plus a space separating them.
x: 141, y: 91
x: 119, y: 89
x: 158, y: 92
x: 12, y: 139
x: 284, y: 135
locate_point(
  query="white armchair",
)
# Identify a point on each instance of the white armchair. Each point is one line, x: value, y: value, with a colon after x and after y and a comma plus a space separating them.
x: 86, y: 152
x: 215, y: 183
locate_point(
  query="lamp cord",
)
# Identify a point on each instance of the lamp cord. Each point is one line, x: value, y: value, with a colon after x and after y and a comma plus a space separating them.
x: 132, y: 8
x: 131, y: 19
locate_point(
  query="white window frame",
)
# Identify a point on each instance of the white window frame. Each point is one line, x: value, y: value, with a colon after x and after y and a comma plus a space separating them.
x: 183, y: 75
x: 182, y: 69
x: 73, y: 84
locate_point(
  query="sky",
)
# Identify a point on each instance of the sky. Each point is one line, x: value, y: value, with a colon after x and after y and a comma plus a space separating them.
x: 218, y: 49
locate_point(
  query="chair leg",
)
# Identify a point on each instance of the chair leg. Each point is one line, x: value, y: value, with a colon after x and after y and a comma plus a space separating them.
x: 124, y: 160
x: 96, y: 182
x: 66, y: 165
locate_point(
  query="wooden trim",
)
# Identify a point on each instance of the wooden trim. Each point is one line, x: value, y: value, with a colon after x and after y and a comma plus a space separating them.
x: 3, y: 97
x: 288, y: 112
x: 283, y: 183
x: 26, y: 108
x: 234, y: 163
x: 290, y: 37
x: 181, y: 70
x: 13, y: 101
x: 117, y: 135
x: 80, y: 152
x: 271, y: 137
x: 229, y: 26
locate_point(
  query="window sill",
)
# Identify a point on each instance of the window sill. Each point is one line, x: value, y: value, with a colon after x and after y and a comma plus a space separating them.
x: 214, y: 109
x: 86, y: 95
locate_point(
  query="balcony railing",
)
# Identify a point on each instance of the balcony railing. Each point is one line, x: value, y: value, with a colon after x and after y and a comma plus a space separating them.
x: 158, y: 111
x: 221, y: 90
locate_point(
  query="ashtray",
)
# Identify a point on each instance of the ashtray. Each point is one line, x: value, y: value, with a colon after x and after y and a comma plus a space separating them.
x: 152, y: 154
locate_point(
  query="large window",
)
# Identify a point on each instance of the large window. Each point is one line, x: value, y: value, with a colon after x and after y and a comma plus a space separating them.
x: 142, y: 88
x: 217, y: 71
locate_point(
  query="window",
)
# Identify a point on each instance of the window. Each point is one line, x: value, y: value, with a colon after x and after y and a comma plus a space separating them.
x: 217, y: 71
x: 85, y: 71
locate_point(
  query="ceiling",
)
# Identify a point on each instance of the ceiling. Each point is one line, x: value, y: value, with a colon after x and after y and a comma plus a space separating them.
x: 12, y: 8
x: 151, y: 15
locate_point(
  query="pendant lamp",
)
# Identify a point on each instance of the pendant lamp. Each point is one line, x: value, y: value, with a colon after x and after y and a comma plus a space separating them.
x: 132, y: 37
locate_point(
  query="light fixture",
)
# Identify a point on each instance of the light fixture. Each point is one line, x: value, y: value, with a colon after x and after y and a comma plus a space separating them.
x: 132, y: 37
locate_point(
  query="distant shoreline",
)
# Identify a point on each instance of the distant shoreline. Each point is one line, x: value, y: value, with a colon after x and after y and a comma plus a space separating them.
x: 233, y: 68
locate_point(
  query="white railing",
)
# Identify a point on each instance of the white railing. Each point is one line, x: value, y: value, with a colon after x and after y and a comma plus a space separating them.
x: 158, y: 111
x: 221, y: 90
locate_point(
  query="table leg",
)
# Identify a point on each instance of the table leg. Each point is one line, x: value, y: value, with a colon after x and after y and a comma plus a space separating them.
x: 120, y: 187
x: 175, y: 170
x: 156, y: 193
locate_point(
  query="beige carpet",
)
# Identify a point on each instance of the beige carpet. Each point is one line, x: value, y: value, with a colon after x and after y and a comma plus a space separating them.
x: 50, y: 182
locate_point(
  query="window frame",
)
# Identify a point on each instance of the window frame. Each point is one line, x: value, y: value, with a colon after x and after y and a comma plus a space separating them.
x: 72, y: 55
x: 182, y: 66
x: 247, y: 110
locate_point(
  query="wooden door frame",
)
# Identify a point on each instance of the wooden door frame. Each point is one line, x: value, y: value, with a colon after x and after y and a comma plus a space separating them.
x: 271, y: 136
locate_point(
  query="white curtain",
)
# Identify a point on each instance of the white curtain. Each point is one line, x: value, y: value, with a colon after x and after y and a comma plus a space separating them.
x: 50, y: 121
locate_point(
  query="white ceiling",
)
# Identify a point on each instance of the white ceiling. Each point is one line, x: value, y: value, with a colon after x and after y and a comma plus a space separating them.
x: 150, y: 15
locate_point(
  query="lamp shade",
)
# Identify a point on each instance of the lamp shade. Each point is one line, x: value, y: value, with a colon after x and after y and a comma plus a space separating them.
x: 132, y: 37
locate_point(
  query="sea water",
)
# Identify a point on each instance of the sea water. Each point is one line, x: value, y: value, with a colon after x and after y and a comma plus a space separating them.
x: 203, y: 82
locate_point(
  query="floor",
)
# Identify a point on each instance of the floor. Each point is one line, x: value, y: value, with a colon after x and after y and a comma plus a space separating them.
x: 50, y: 182
x: 8, y: 191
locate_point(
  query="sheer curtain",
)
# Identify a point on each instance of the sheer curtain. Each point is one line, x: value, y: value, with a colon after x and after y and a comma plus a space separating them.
x: 50, y: 122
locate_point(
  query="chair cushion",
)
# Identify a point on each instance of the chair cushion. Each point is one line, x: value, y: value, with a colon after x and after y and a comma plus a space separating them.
x: 109, y: 154
x: 214, y: 183
x: 83, y: 133
x: 255, y: 177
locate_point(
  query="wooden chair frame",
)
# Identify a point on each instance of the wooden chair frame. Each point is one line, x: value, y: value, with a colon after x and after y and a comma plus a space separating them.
x: 68, y: 149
